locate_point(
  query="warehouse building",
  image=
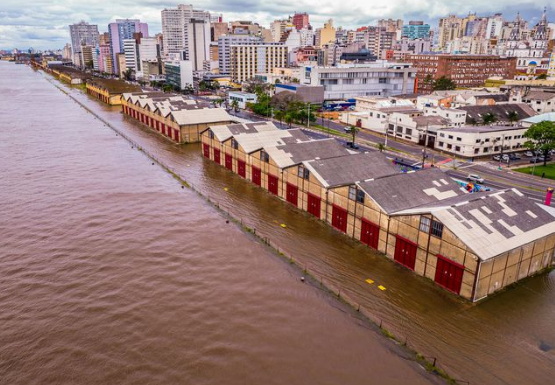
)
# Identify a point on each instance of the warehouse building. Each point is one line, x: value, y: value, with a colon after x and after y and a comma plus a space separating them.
x: 174, y: 116
x: 110, y: 90
x: 471, y: 244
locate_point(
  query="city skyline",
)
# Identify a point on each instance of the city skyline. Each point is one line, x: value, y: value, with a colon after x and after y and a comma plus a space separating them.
x: 46, y: 26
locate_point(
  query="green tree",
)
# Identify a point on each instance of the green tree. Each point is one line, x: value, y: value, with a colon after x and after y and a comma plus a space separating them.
x: 167, y: 88
x: 489, y: 118
x: 541, y: 138
x: 279, y: 115
x: 128, y: 74
x: 381, y: 147
x: 288, y: 119
x: 513, y: 117
x: 443, y: 83
x: 541, y: 77
x: 353, y: 131
x: 235, y: 105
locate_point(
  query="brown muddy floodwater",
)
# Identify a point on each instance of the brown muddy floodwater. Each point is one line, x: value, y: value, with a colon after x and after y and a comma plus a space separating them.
x: 111, y: 273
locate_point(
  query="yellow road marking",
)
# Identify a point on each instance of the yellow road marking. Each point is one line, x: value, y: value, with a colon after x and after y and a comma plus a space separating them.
x: 369, y: 281
x: 283, y: 225
x: 382, y: 288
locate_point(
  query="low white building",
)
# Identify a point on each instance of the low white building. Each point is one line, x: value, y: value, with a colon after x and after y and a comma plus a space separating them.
x: 372, y: 113
x: 475, y: 141
x: 415, y: 128
x: 242, y: 98
x: 348, y: 81
x: 540, y: 101
x: 456, y: 118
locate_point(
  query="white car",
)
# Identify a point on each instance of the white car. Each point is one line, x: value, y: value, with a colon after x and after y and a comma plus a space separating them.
x: 475, y: 178
x: 529, y: 154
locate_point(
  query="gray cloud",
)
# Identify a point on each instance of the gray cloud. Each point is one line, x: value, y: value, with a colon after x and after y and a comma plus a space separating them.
x: 42, y: 24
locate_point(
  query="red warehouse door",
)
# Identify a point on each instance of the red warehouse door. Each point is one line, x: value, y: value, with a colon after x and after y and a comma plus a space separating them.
x: 273, y: 184
x: 229, y: 162
x: 292, y: 194
x: 256, y: 179
x: 405, y: 252
x: 241, y: 168
x: 217, y: 155
x: 449, y: 274
x: 369, y: 234
x: 339, y: 218
x: 314, y: 205
x: 206, y: 150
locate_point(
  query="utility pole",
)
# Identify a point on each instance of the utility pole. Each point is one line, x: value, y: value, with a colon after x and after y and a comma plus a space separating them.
x: 425, y: 145
x: 308, y: 117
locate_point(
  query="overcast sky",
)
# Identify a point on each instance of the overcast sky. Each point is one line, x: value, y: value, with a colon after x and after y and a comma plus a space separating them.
x: 43, y: 24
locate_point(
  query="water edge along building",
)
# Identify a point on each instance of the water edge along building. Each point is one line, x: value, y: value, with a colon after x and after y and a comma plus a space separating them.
x: 471, y: 244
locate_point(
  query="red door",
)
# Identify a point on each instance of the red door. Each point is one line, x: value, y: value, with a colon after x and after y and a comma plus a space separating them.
x: 206, y: 150
x: 176, y: 135
x: 229, y: 162
x: 405, y: 252
x: 369, y: 233
x: 314, y: 205
x: 241, y: 168
x: 217, y: 155
x: 449, y: 274
x: 339, y: 218
x: 256, y: 179
x: 273, y: 184
x: 292, y: 194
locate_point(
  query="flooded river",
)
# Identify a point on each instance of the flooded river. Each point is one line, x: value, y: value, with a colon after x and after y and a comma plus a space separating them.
x: 109, y: 269
x: 111, y: 273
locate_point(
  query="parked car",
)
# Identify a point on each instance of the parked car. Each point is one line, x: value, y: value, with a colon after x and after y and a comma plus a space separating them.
x: 475, y: 178
x: 529, y: 154
x: 497, y: 157
x: 514, y: 157
x: 352, y: 145
x: 540, y: 159
x: 505, y: 157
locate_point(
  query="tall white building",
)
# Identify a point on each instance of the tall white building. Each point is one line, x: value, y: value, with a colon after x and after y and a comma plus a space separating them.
x: 181, y: 38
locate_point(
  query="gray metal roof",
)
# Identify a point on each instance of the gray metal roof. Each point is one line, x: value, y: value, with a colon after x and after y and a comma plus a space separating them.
x: 350, y: 169
x: 404, y: 191
x: 295, y: 153
x: 501, y: 111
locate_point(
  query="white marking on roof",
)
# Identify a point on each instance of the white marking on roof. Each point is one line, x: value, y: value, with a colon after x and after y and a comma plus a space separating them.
x: 444, y: 181
x: 513, y: 229
x: 517, y: 192
x: 531, y: 214
x: 486, y: 209
x: 435, y: 182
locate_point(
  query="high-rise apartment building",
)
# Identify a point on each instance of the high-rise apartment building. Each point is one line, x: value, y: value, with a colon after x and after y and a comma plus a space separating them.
x: 247, y: 60
x: 123, y: 29
x: 300, y: 20
x: 326, y: 34
x: 176, y: 31
x: 82, y: 34
x: 416, y: 30
x: 450, y: 28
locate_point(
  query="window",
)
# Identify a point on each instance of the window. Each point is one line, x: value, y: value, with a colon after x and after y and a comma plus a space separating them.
x: 477, y: 140
x: 476, y: 150
x: 440, y: 144
x: 457, y: 148
x: 437, y: 229
x: 234, y: 144
x: 425, y: 224
x: 210, y: 134
x: 450, y: 136
x: 459, y: 139
x: 356, y: 195
x: 264, y: 156
x: 303, y: 172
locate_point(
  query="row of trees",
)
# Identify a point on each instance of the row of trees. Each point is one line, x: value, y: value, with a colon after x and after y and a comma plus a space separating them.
x: 286, y: 107
x: 541, y: 138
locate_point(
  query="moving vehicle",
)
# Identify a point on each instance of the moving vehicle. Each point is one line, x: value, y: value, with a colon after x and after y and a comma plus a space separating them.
x: 475, y: 178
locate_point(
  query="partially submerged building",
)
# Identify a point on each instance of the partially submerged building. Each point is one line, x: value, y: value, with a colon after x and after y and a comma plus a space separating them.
x: 472, y: 244
x: 176, y: 117
x: 110, y: 90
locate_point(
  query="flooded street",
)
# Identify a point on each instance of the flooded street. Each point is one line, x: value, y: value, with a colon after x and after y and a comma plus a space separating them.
x: 110, y: 272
